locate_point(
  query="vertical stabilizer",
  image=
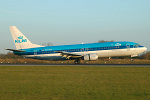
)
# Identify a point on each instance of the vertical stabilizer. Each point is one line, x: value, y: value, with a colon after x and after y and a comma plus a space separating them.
x: 21, y: 42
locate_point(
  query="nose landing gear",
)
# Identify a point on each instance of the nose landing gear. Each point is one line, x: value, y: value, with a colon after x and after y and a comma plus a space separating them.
x: 77, y: 61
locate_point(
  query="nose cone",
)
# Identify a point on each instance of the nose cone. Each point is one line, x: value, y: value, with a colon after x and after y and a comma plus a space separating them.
x: 140, y: 50
x: 144, y: 49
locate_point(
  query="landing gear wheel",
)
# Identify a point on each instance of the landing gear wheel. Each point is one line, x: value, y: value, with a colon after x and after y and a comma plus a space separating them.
x: 77, y: 61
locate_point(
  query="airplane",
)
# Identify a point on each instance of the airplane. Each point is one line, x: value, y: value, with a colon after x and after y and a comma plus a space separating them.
x: 77, y: 52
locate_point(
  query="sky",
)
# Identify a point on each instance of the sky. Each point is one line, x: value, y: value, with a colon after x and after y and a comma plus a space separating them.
x: 64, y: 22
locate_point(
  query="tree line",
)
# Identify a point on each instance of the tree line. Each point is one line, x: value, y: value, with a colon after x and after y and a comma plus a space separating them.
x: 145, y: 55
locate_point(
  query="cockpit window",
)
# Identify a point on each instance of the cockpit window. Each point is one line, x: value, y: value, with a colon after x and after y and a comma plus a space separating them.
x: 136, y: 45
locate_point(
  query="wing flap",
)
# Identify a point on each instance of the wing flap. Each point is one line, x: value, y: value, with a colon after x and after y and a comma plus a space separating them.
x: 68, y: 54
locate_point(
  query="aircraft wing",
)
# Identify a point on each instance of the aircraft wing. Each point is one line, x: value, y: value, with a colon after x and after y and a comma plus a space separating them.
x: 68, y: 54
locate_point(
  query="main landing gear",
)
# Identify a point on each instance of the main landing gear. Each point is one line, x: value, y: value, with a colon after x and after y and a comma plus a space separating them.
x: 77, y: 61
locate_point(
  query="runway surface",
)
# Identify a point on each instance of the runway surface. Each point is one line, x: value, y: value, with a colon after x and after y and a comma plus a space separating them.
x: 101, y: 65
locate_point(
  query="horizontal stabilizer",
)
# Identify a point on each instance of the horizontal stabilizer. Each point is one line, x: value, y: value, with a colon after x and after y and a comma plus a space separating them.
x: 16, y: 50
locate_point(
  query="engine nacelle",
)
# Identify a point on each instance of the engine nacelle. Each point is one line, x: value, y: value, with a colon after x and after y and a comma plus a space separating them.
x: 92, y: 56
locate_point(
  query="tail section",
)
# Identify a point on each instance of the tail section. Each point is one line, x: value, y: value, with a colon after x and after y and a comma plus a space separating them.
x: 21, y: 42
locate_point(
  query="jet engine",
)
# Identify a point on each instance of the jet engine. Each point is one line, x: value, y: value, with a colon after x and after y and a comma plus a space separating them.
x: 89, y: 57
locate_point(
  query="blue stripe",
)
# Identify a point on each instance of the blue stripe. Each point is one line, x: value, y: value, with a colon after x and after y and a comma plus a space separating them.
x: 80, y: 48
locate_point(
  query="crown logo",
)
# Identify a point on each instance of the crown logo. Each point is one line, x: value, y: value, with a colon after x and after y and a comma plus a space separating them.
x: 20, y: 37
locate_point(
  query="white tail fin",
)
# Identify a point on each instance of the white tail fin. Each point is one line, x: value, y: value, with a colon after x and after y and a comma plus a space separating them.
x: 20, y: 40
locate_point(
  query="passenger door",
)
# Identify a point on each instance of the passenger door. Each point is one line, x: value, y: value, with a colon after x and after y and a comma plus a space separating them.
x: 35, y: 53
x: 128, y: 46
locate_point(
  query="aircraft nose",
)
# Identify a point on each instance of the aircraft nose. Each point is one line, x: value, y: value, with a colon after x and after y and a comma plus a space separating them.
x: 145, y: 49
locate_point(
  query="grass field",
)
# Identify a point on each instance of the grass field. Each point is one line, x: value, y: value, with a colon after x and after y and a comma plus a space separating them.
x: 74, y: 83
